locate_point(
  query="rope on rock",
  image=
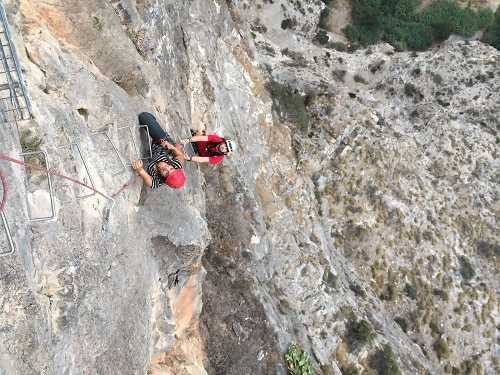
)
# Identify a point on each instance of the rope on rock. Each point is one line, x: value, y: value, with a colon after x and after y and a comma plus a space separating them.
x: 52, y: 172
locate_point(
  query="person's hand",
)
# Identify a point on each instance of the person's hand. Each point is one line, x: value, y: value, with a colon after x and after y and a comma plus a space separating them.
x: 166, y: 144
x: 185, y: 141
x: 137, y: 165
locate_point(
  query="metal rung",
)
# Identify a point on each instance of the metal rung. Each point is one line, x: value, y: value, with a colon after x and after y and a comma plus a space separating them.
x: 13, y: 110
x: 105, y: 133
x: 51, y: 192
x: 6, y: 86
x: 137, y: 151
x: 14, y: 79
x: 84, y: 161
x: 9, y: 236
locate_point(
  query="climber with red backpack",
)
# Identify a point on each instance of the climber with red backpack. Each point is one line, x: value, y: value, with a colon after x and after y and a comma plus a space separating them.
x: 208, y: 148
x: 165, y: 166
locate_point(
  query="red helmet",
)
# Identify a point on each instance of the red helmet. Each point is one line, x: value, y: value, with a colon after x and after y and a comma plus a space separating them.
x: 176, y: 179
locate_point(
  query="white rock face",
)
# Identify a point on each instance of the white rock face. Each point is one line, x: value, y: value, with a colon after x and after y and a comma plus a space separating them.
x: 359, y: 214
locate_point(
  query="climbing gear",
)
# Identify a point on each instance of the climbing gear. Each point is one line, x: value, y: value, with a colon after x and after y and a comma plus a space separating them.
x: 231, y: 146
x: 176, y: 179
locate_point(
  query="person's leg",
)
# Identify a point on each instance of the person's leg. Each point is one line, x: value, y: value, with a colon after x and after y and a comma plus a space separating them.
x: 155, y: 130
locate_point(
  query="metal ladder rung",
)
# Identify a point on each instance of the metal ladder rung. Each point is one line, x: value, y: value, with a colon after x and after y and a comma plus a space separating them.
x: 139, y: 156
x: 7, y: 71
x: 6, y: 86
x: 9, y: 236
x: 85, y: 165
x: 114, y: 148
x: 12, y: 74
x: 51, y: 191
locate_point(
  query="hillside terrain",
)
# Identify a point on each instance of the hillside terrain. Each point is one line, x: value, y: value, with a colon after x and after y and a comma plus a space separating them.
x: 359, y: 217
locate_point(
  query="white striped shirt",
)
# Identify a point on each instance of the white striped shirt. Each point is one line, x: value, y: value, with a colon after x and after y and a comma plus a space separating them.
x: 159, y: 154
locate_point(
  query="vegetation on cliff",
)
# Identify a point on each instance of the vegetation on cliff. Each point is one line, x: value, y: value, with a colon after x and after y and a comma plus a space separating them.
x: 403, y: 24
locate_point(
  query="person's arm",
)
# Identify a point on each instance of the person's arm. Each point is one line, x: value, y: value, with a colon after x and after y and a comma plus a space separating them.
x: 138, y: 168
x: 196, y: 138
x: 177, y: 152
x: 199, y: 159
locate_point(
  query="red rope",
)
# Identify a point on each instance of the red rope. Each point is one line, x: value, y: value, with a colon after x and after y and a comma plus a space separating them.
x: 52, y: 172
x: 5, y: 188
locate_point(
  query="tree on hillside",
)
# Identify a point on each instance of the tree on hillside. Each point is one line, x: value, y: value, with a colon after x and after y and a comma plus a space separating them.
x: 492, y: 34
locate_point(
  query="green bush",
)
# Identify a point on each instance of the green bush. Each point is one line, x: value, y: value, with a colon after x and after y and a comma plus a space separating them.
x: 441, y: 348
x: 297, y: 361
x: 492, y: 34
x: 287, y: 23
x: 351, y: 370
x: 411, y: 291
x: 322, y: 37
x: 360, y: 332
x: 323, y: 18
x: 366, y: 12
x: 391, y: 365
x: 400, y: 23
x: 466, y: 269
x: 446, y: 17
x: 485, y: 17
x: 384, y: 361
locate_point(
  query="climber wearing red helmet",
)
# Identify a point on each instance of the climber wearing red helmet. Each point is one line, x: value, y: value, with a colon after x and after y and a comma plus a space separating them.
x: 165, y: 166
x: 208, y: 148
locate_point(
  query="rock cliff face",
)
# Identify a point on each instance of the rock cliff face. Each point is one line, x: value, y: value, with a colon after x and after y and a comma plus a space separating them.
x: 358, y: 218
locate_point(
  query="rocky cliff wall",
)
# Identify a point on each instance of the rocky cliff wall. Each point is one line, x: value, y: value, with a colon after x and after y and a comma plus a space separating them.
x: 364, y: 194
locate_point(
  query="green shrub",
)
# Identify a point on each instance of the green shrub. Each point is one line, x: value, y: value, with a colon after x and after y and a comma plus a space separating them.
x: 403, y: 9
x: 411, y: 291
x: 365, y: 12
x: 485, y: 17
x: 384, y: 361
x: 363, y: 34
x: 297, y: 361
x: 390, y: 364
x: 492, y: 34
x: 323, y: 18
x: 466, y: 269
x: 287, y: 23
x: 441, y: 348
x: 446, y: 17
x: 360, y: 332
x: 399, y: 22
x: 351, y: 370
x: 30, y: 142
x: 322, y: 37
